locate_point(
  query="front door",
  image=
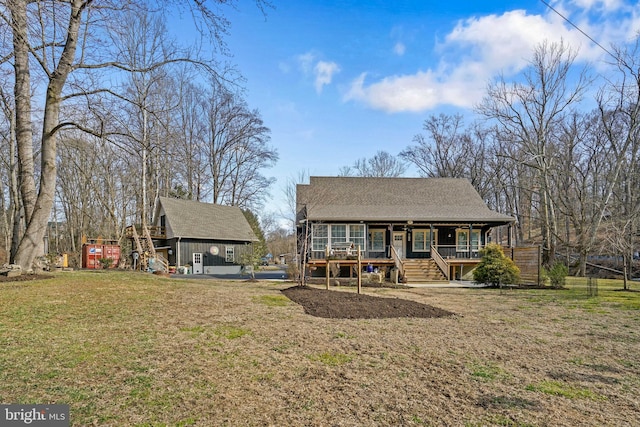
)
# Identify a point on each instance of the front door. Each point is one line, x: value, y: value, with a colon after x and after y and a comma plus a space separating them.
x: 197, y: 263
x: 398, y: 243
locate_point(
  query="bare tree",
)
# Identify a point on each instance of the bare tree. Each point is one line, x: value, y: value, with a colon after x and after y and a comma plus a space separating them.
x: 529, y: 113
x: 190, y: 129
x: 12, y: 220
x: 142, y: 45
x: 381, y: 165
x: 510, y: 183
x: 449, y: 150
x: 93, y: 191
x: 289, y: 192
x: 444, y: 151
x: 622, y: 236
x: 300, y: 228
x: 61, y: 43
x: 238, y: 150
x: 583, y: 171
x: 281, y: 241
x: 619, y: 110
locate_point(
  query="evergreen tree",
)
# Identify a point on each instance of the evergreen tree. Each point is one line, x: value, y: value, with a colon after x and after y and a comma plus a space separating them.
x: 495, y: 268
x: 259, y: 247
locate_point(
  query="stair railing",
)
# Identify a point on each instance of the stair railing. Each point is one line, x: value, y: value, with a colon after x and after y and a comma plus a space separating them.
x: 136, y: 238
x: 442, y: 263
x: 163, y: 263
x: 147, y: 236
x: 398, y: 261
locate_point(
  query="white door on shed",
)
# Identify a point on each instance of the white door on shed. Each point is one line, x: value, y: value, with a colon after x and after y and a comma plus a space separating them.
x: 197, y: 263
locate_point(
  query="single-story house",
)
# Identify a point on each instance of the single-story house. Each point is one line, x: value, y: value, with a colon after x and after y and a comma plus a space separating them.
x: 211, y: 239
x: 427, y: 229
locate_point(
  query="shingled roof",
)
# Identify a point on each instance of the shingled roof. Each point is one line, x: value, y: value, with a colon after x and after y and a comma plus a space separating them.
x: 196, y: 220
x: 394, y: 199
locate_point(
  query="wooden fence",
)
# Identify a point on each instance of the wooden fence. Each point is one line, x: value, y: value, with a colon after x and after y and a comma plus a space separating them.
x: 529, y: 261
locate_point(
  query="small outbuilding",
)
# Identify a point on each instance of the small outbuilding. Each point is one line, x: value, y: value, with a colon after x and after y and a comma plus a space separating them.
x: 208, y: 238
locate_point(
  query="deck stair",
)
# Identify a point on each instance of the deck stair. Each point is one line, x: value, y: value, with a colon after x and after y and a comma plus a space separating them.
x: 423, y: 271
x: 143, y: 244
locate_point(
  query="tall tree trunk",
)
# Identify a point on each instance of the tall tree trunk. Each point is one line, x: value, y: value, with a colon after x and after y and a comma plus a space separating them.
x: 549, y: 223
x: 38, y: 207
x: 625, y: 269
x: 15, y: 206
x: 22, y: 94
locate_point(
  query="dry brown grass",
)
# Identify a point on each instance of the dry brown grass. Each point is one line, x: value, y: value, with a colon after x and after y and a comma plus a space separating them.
x: 134, y: 349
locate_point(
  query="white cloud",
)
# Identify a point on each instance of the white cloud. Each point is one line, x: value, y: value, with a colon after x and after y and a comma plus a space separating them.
x: 306, y: 61
x: 399, y: 49
x: 607, y: 5
x: 416, y: 92
x: 504, y: 42
x: 321, y: 71
x: 324, y: 72
x: 478, y: 49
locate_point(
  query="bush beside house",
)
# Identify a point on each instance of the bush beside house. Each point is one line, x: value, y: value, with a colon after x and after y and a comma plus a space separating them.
x: 495, y: 268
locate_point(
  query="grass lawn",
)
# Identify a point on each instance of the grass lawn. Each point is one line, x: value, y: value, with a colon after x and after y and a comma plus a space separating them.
x: 136, y: 349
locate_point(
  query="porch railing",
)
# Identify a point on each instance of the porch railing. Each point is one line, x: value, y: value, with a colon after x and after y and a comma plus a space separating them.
x: 444, y: 251
x: 318, y: 255
x: 398, y: 261
x: 155, y: 231
x: 444, y: 265
x: 453, y: 251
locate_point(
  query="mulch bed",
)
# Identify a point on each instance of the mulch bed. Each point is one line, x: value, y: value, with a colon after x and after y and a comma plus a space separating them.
x: 348, y: 305
x: 24, y: 277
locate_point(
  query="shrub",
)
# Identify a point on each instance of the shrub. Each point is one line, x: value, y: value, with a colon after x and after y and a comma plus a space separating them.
x: 495, y: 268
x: 557, y: 274
x: 105, y: 262
x: 293, y: 270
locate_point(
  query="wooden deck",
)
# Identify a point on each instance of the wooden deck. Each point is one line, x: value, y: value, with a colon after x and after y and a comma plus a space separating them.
x: 453, y: 267
x: 156, y: 232
x: 385, y: 262
x: 413, y: 270
x: 364, y: 261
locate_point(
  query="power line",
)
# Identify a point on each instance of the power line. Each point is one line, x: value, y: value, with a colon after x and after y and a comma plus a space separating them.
x: 579, y: 29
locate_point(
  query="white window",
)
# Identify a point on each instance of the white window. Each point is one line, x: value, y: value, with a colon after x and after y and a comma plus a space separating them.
x: 376, y: 240
x: 229, y: 254
x: 462, y: 240
x: 475, y: 240
x: 422, y: 240
x: 319, y: 237
x: 332, y: 234
x: 356, y: 236
x: 338, y: 233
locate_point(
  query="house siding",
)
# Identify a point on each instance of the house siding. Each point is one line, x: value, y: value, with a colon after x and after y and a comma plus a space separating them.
x: 212, y: 263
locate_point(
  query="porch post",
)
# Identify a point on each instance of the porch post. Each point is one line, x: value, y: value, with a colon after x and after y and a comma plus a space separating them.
x: 326, y: 267
x: 470, y: 244
x: 178, y: 252
x: 509, y: 232
x: 359, y: 271
x: 432, y: 241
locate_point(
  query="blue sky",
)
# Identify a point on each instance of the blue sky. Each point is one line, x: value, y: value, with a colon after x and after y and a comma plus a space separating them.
x: 336, y: 81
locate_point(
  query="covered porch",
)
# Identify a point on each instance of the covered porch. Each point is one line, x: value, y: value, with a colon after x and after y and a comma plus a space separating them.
x: 345, y: 264
x: 408, y: 247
